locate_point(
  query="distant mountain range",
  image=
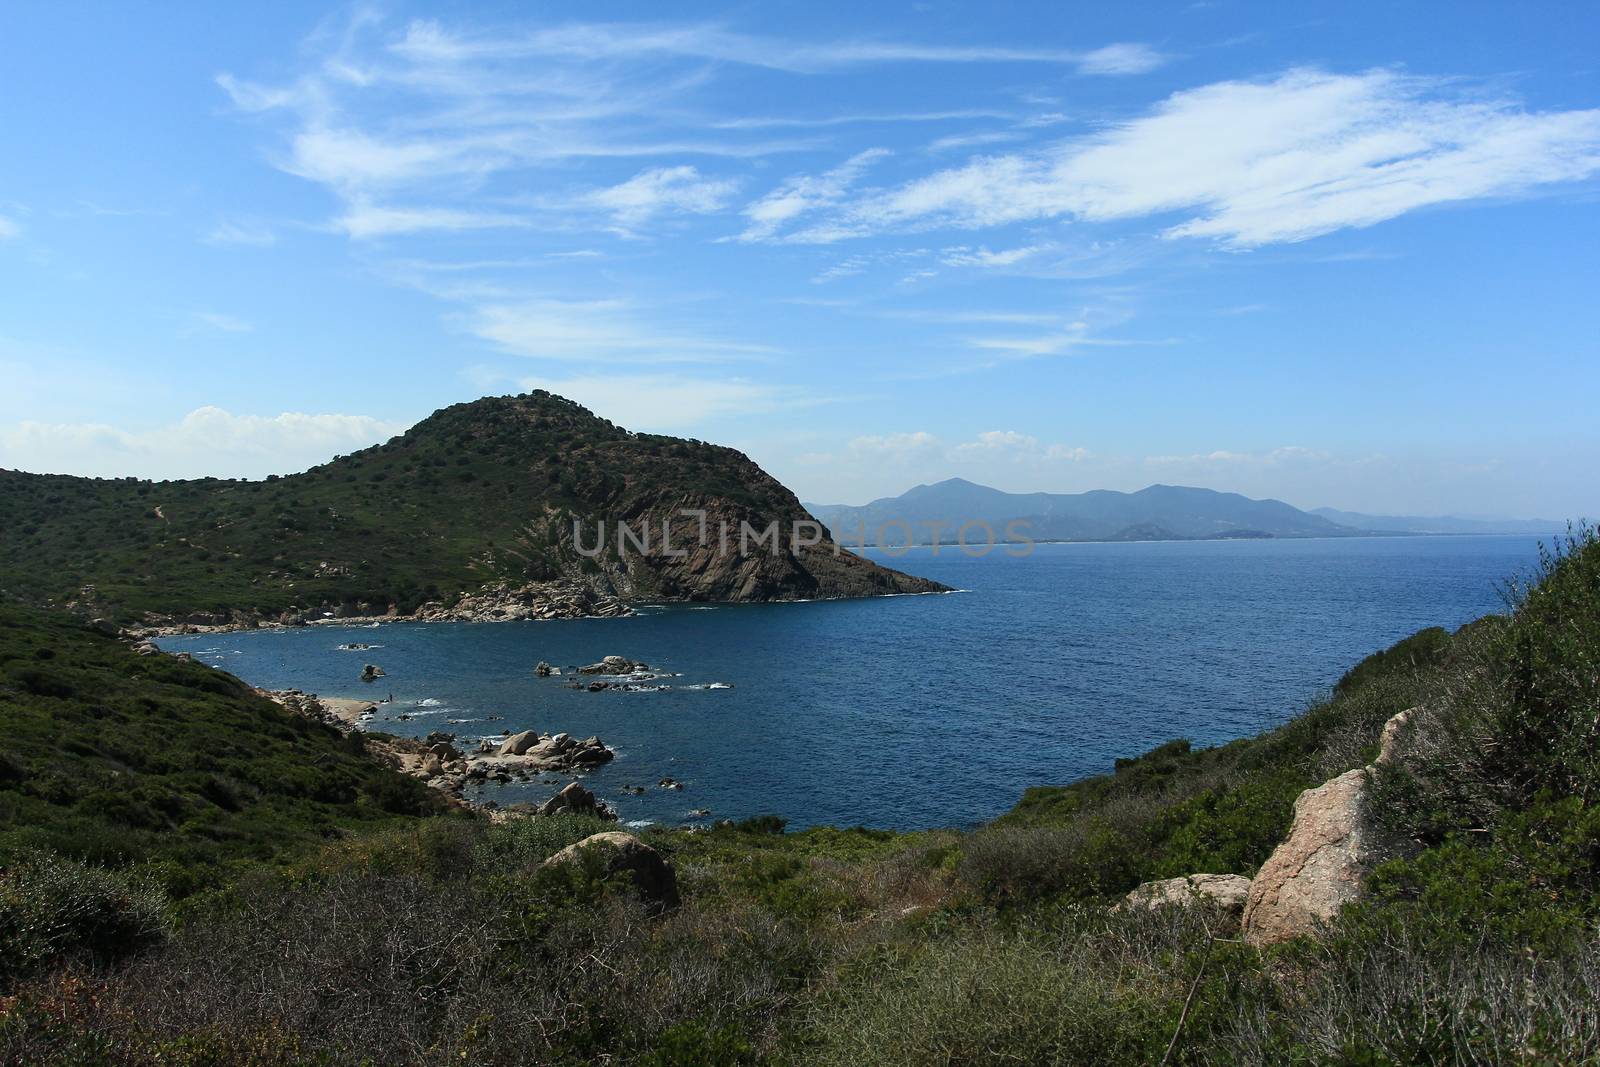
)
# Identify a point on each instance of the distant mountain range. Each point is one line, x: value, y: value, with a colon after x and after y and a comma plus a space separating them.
x: 1157, y: 513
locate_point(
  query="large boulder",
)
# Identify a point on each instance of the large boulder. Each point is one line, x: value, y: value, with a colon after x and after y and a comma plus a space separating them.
x: 1331, y: 848
x: 1318, y: 868
x: 517, y: 744
x: 1228, y: 892
x: 576, y: 800
x: 618, y: 854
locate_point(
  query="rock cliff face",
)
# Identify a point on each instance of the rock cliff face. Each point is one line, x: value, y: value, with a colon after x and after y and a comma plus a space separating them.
x: 507, y: 507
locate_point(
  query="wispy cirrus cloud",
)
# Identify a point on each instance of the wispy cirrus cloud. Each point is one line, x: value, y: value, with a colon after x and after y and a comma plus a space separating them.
x: 1257, y: 163
x: 803, y: 194
x: 604, y: 331
x: 431, y: 41
x: 8, y: 228
x: 418, y: 127
x: 662, y: 189
x: 363, y: 219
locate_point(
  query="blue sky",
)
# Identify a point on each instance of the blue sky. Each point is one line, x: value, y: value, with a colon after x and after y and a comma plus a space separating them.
x: 1344, y: 257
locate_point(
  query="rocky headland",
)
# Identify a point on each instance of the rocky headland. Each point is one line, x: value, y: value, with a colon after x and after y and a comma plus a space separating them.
x: 506, y: 508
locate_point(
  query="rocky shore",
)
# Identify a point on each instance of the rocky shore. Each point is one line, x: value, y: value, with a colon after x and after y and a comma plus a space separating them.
x: 500, y: 602
x: 438, y: 761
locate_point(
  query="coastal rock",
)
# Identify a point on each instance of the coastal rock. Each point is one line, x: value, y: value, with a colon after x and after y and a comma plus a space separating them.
x: 528, y: 751
x: 1331, y: 848
x: 543, y: 670
x: 1229, y: 892
x: 576, y: 800
x: 1318, y: 868
x: 371, y: 672
x: 563, y: 598
x: 619, y: 854
x: 517, y: 744
x: 445, y: 751
x: 614, y: 665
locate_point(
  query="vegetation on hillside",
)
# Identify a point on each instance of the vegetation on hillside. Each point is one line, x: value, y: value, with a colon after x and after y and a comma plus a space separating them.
x: 476, y: 493
x: 119, y: 759
x: 443, y: 940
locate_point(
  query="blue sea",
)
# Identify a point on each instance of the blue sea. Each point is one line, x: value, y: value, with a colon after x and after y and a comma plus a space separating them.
x: 917, y: 711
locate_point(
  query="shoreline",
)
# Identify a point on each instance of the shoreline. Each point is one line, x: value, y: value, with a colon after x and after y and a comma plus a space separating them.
x: 373, y: 621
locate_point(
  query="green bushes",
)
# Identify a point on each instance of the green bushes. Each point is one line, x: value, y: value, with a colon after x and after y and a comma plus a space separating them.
x: 52, y: 909
x: 1074, y: 986
x: 129, y: 758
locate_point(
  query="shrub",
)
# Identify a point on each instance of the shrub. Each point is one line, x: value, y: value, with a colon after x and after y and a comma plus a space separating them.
x: 53, y: 909
x: 1034, y: 994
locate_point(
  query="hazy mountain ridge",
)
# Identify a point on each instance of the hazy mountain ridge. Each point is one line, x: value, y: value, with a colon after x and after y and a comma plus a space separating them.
x: 1159, y: 512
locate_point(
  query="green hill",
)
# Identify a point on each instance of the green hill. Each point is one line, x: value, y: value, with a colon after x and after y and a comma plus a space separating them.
x: 113, y: 757
x: 476, y: 494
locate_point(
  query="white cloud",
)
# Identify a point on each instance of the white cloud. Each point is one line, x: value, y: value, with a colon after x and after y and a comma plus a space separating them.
x: 1121, y: 59
x: 1256, y: 163
x: 896, y: 447
x: 430, y: 42
x: 8, y: 228
x: 992, y: 441
x: 208, y: 442
x: 600, y: 330
x: 364, y: 220
x: 805, y: 193
x: 982, y: 257
x: 973, y: 140
x: 662, y: 189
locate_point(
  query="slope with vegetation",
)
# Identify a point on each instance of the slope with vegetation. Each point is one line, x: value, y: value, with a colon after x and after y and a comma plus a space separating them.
x: 117, y: 758
x: 477, y: 494
x: 444, y: 940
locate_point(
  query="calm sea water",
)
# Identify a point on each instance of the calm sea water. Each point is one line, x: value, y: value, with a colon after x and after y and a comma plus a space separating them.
x: 912, y: 712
